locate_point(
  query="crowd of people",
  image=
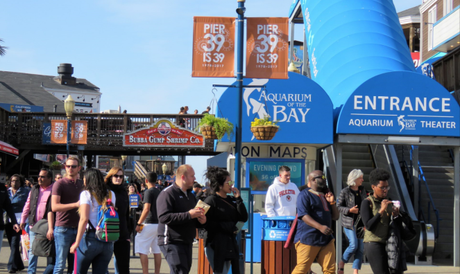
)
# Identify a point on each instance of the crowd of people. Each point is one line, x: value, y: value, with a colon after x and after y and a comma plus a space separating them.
x: 171, y: 222
x: 185, y: 122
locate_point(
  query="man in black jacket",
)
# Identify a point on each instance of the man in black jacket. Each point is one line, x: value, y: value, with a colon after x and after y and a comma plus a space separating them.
x: 178, y: 219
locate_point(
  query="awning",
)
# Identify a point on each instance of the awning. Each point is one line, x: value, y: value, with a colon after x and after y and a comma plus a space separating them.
x: 5, y: 147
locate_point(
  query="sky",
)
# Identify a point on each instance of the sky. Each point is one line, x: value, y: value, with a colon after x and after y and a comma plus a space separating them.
x: 138, y: 52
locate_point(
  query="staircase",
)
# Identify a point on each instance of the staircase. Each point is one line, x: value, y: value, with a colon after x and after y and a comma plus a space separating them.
x: 437, y: 166
x: 140, y: 171
x: 438, y: 170
x: 357, y: 156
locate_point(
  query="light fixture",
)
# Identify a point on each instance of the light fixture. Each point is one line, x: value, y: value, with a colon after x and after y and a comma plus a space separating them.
x: 164, y: 168
x: 123, y: 157
x: 293, y: 68
x: 402, y: 140
x: 69, y: 105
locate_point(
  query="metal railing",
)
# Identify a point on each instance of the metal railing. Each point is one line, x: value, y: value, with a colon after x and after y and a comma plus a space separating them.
x: 421, y: 178
x: 26, y: 128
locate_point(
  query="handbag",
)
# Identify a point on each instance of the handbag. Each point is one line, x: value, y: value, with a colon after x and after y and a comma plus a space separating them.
x: 41, y: 246
x: 359, y: 227
x: 290, y: 239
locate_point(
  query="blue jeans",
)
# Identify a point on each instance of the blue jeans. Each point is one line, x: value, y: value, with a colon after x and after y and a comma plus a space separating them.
x: 210, y: 255
x: 1, y: 237
x: 356, y: 247
x: 32, y: 269
x: 64, y: 237
x: 93, y: 252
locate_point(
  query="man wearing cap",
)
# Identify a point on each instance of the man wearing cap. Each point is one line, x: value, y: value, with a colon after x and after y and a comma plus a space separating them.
x: 314, y: 240
x: 196, y: 188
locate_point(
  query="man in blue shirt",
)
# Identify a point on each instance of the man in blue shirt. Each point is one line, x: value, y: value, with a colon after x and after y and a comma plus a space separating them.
x: 314, y: 238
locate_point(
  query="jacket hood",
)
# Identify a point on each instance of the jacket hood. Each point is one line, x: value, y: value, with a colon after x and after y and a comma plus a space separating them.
x: 278, y: 182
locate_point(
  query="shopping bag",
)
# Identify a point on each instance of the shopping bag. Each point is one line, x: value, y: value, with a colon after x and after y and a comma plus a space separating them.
x: 25, y: 243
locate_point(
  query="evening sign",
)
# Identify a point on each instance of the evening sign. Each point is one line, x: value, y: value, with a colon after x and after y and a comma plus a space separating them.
x: 163, y: 134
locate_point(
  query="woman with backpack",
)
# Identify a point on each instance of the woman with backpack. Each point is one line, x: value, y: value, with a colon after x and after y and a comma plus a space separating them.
x: 115, y: 181
x: 88, y: 248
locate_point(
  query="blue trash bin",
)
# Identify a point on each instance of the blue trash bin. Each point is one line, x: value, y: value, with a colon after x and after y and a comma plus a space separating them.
x: 276, y: 228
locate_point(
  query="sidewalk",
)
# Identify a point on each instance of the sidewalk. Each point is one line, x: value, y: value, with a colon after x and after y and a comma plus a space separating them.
x: 137, y: 269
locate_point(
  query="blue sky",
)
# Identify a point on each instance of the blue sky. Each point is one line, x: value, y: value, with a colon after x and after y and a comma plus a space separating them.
x: 138, y: 52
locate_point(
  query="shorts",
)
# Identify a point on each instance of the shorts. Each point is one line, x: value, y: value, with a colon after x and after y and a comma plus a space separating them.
x: 147, y: 240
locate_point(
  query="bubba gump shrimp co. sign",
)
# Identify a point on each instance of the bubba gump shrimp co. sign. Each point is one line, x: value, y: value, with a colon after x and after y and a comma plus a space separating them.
x: 163, y: 134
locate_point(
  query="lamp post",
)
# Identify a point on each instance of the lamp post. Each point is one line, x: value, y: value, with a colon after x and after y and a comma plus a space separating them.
x: 123, y: 159
x: 69, y: 105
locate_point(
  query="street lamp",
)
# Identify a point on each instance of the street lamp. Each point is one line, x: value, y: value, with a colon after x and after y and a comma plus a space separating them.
x: 123, y: 158
x: 69, y: 105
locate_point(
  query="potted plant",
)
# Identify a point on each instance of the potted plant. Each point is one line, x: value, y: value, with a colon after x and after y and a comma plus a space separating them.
x: 264, y: 129
x: 56, y: 165
x: 213, y: 127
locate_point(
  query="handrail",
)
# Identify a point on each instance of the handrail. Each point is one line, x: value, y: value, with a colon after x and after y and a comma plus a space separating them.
x: 421, y: 177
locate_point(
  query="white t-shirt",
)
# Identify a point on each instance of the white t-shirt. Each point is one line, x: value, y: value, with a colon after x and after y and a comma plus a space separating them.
x: 86, y: 198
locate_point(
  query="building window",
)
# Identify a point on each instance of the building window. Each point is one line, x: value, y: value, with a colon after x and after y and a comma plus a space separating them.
x: 448, y: 6
x: 431, y: 20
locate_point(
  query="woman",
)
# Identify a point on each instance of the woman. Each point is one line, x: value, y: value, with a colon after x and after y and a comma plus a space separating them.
x: 121, y: 248
x: 376, y: 212
x: 225, y: 212
x: 18, y: 194
x: 5, y: 206
x: 350, y: 199
x: 89, y: 249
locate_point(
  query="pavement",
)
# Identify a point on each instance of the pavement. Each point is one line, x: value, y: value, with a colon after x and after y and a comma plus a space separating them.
x: 136, y: 268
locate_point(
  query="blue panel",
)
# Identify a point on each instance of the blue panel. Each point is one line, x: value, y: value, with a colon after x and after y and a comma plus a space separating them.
x: 350, y: 42
x: 257, y: 238
x: 20, y: 108
x: 400, y: 103
x: 298, y: 104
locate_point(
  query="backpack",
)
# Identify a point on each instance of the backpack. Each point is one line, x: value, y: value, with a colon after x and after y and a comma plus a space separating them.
x: 108, y: 224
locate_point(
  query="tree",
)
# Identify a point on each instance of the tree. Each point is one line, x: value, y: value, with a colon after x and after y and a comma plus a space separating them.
x: 2, y: 49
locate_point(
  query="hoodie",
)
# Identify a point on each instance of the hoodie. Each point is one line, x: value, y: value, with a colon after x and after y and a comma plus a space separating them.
x: 281, y: 199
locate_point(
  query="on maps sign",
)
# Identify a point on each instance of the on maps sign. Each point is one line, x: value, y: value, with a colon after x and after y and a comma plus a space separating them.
x: 400, y: 103
x: 161, y: 134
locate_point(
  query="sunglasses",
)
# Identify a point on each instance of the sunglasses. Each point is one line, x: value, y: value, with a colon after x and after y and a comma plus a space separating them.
x: 118, y: 176
x: 320, y: 177
x: 231, y: 183
x: 384, y: 187
x: 71, y: 166
x: 42, y: 177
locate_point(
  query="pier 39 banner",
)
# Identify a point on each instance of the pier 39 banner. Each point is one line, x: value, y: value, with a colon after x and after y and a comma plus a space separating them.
x: 213, y: 47
x: 400, y: 103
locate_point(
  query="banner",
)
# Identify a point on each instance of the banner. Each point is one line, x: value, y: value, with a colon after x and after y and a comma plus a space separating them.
x: 213, y: 47
x: 267, y: 48
x: 79, y: 132
x: 58, y: 131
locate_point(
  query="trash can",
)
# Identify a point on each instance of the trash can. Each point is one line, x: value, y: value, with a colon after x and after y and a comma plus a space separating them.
x: 203, y: 264
x: 275, y: 258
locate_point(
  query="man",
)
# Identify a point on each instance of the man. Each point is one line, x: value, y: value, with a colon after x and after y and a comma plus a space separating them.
x: 196, y: 188
x: 206, y: 111
x: 65, y: 202
x: 178, y: 219
x: 36, y: 208
x: 281, y: 199
x: 58, y: 177
x: 147, y: 237
x: 313, y: 238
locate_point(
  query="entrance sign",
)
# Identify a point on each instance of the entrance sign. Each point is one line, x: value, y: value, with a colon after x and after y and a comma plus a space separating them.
x: 267, y: 48
x: 400, y: 103
x: 163, y: 134
x: 301, y: 107
x: 213, y: 47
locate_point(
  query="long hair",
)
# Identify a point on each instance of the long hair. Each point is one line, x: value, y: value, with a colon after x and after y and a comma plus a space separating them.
x: 216, y: 177
x: 113, y: 171
x: 95, y: 184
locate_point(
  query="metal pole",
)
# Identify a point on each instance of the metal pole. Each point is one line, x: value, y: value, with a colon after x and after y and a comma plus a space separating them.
x: 457, y: 206
x: 68, y: 135
x: 238, y: 127
x: 338, y: 187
